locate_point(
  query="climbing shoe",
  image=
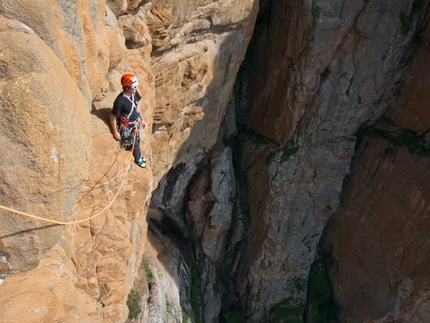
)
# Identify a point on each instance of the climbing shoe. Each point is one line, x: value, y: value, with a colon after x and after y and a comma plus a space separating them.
x: 141, y: 162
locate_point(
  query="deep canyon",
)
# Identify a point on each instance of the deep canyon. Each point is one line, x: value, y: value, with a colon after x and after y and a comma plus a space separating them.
x: 288, y: 169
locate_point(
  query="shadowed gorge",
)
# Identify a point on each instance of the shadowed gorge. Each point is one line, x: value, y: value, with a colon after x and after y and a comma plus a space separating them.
x: 288, y: 158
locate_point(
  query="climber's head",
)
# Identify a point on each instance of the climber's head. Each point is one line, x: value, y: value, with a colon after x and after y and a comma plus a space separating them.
x: 129, y: 82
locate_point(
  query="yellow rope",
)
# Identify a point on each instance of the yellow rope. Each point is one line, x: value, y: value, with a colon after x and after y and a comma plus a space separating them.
x: 79, y: 221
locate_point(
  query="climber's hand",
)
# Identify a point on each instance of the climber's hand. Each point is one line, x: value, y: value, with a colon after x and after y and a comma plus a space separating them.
x: 116, y: 135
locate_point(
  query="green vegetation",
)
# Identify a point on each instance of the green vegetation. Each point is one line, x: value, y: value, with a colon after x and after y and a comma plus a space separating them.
x: 290, y: 149
x: 235, y: 316
x: 316, y: 12
x: 149, y: 274
x: 219, y: 146
x: 270, y: 156
x: 169, y: 306
x: 287, y: 311
x: 406, y: 22
x: 351, y: 139
x: 402, y: 138
x: 417, y: 6
x: 351, y: 81
x: 322, y: 308
x: 288, y: 152
x: 185, y: 317
x: 408, y: 139
x: 133, y: 303
x: 299, y: 284
x: 258, y: 139
x: 196, y: 295
x: 275, y: 176
x: 218, y: 289
x: 389, y: 131
x: 231, y: 198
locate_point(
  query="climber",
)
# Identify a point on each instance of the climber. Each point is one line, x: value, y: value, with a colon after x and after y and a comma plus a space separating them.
x: 125, y: 118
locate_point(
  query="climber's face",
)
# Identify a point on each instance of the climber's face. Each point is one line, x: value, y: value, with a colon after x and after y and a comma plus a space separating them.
x: 131, y: 89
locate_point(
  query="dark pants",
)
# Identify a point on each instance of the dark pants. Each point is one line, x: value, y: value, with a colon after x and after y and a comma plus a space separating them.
x: 136, y: 151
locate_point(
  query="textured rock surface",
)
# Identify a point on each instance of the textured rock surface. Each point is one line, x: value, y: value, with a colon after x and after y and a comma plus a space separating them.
x: 290, y: 200
x: 386, y: 205
x: 311, y: 96
x: 92, y: 266
x: 90, y: 269
x: 45, y: 156
x: 378, y: 267
x: 198, y: 48
x: 411, y: 109
x: 234, y: 218
x: 211, y: 205
x: 97, y: 262
x: 347, y: 54
x: 75, y: 32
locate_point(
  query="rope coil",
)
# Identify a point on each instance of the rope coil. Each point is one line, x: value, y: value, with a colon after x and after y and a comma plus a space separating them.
x: 32, y: 216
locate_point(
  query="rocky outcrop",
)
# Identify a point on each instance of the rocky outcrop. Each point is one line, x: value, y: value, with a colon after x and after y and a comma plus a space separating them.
x: 287, y: 219
x: 242, y: 177
x: 211, y: 205
x: 383, y: 277
x: 61, y: 163
x: 198, y: 48
x: 385, y: 201
x: 75, y: 32
x: 410, y: 110
x: 323, y: 65
x: 312, y: 95
x: 45, y: 155
x: 89, y: 268
x: 87, y: 275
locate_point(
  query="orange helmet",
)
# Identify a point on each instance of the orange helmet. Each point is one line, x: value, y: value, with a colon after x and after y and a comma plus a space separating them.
x: 129, y: 80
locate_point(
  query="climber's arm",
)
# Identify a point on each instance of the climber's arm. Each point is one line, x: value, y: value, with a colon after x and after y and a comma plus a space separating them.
x: 139, y: 110
x: 112, y: 119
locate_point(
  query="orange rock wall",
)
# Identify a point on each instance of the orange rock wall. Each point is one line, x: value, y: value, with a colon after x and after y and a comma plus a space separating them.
x: 318, y: 73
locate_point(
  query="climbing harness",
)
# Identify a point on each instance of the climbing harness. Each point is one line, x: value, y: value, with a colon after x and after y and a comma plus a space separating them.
x: 32, y: 216
x: 127, y: 127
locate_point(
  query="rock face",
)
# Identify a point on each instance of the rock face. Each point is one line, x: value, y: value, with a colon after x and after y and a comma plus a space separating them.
x: 198, y: 48
x: 247, y: 150
x: 61, y: 163
x: 75, y: 32
x: 311, y: 96
x: 286, y: 220
x: 378, y: 238
x: 211, y: 205
x: 410, y: 110
x: 188, y: 57
x: 385, y: 201
x: 45, y: 157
